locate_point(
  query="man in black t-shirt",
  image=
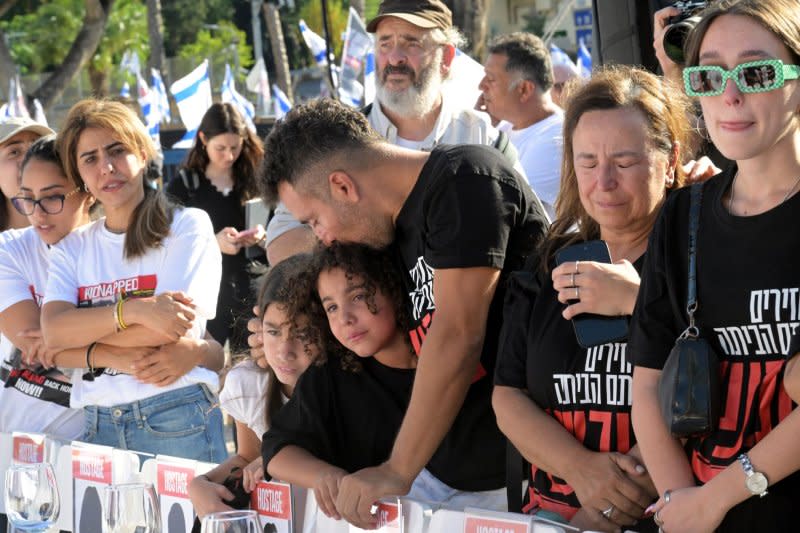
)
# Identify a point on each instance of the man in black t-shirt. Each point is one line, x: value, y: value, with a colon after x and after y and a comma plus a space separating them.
x: 459, y: 219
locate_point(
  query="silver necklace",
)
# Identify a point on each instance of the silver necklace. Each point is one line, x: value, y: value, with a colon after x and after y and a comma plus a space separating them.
x: 733, y: 184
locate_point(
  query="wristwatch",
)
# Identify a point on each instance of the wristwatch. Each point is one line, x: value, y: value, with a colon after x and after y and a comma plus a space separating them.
x: 756, y: 482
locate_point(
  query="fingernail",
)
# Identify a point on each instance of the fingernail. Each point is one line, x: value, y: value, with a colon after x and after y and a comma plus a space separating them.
x: 650, y: 509
x: 641, y: 469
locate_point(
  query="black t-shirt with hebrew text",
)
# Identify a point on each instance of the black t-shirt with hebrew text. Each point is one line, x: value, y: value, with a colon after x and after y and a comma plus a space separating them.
x: 748, y: 291
x: 468, y: 209
x: 588, y: 391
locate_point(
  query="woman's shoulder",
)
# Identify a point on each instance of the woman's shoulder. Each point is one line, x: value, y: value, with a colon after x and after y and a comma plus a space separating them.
x: 80, y: 235
x: 190, y: 220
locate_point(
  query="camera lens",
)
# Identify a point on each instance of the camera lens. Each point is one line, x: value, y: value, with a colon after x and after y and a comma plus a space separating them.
x: 675, y: 38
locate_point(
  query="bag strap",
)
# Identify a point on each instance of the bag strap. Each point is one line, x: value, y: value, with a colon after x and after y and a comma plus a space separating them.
x: 691, y: 293
x: 515, y: 467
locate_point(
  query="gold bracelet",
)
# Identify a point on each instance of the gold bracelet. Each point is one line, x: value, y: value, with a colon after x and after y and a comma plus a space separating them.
x: 120, y: 320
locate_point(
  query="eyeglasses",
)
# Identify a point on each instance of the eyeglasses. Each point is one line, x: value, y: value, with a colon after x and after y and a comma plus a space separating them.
x: 752, y: 77
x: 52, y: 205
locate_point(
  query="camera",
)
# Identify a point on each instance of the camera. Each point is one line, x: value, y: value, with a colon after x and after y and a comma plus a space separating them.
x: 680, y: 26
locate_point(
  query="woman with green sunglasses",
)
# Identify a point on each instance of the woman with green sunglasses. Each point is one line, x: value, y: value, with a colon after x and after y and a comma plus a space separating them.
x: 742, y: 65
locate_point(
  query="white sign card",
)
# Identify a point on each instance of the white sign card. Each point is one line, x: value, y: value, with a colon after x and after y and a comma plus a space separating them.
x: 390, y: 518
x: 91, y: 472
x: 272, y: 500
x: 172, y: 484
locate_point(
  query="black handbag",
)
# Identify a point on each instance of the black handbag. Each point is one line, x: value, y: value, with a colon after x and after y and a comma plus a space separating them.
x: 689, y: 389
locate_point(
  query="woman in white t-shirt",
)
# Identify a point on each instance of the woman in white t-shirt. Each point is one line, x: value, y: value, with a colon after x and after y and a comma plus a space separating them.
x: 255, y: 389
x: 144, y: 275
x: 54, y: 206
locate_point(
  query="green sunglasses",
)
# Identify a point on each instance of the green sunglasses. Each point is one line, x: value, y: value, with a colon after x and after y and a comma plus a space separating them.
x: 752, y: 77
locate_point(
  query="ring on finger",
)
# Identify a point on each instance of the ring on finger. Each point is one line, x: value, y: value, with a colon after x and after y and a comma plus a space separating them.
x: 576, y: 267
x: 667, y: 495
x: 572, y: 279
x: 607, y: 512
x: 577, y: 293
x: 657, y: 520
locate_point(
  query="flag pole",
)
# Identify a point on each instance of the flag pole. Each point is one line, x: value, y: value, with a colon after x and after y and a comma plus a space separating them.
x: 326, y: 34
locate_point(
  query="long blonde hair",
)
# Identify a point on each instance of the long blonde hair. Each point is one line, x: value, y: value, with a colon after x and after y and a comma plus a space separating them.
x: 615, y: 87
x: 152, y: 218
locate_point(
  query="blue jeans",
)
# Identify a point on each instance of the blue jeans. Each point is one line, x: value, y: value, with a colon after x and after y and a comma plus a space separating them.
x: 185, y: 422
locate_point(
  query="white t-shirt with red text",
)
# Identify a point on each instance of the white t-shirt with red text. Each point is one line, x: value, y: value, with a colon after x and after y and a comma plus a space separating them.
x: 35, y: 401
x: 87, y: 269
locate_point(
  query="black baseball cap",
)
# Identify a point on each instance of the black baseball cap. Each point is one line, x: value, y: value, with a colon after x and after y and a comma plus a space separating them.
x: 426, y: 14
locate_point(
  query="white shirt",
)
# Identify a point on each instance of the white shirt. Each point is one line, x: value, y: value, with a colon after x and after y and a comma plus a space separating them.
x: 540, y: 147
x: 24, y: 260
x: 87, y: 269
x: 244, y: 396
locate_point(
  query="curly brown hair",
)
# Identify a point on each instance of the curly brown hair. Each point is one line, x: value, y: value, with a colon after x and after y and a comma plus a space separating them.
x: 291, y: 285
x: 378, y: 272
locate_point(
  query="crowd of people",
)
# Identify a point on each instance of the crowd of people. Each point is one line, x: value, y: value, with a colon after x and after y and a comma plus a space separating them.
x: 417, y: 333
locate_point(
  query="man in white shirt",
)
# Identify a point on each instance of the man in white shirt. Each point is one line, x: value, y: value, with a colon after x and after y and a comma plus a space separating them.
x: 415, y: 44
x: 517, y: 88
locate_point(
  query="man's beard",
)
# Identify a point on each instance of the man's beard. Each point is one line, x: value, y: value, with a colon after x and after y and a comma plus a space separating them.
x: 420, y: 97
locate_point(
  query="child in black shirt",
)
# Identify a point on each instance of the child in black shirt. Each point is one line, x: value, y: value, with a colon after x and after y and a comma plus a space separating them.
x: 344, y: 415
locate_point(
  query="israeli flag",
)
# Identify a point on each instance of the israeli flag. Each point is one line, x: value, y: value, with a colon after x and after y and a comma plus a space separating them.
x: 4, y: 112
x: 38, y: 112
x: 230, y: 94
x: 369, y: 78
x: 125, y: 92
x: 280, y: 102
x: 16, y: 100
x: 149, y: 108
x: 314, y: 42
x: 584, y: 61
x: 160, y: 98
x: 560, y: 57
x: 192, y: 95
x: 130, y: 62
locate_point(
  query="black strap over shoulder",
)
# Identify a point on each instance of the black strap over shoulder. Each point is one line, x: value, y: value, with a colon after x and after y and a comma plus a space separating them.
x: 694, y: 223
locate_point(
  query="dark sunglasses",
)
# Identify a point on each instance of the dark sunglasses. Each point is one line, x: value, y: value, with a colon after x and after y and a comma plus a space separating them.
x: 52, y: 205
x: 752, y: 77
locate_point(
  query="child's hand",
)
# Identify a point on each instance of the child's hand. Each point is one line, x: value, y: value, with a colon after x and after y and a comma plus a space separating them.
x: 207, y: 496
x: 326, y: 489
x: 255, y: 340
x: 252, y: 474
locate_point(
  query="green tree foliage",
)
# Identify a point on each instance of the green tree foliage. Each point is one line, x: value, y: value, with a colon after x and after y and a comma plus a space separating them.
x: 183, y: 20
x: 218, y: 45
x: 40, y: 40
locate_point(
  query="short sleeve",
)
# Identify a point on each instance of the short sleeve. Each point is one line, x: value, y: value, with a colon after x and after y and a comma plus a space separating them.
x: 512, y: 348
x: 62, y: 279
x: 281, y: 222
x: 469, y: 220
x: 658, y: 316
x: 194, y: 262
x: 13, y: 285
x: 301, y: 422
x: 244, y: 396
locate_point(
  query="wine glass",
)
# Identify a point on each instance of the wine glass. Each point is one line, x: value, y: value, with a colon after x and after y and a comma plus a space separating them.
x: 31, y: 496
x: 230, y: 522
x: 131, y: 508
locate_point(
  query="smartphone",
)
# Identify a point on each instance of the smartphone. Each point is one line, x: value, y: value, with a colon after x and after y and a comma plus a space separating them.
x: 590, y: 329
x: 255, y: 212
x: 247, y: 233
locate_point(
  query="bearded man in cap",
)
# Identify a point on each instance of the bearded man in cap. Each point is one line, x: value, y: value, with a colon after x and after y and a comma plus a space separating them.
x: 415, y: 45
